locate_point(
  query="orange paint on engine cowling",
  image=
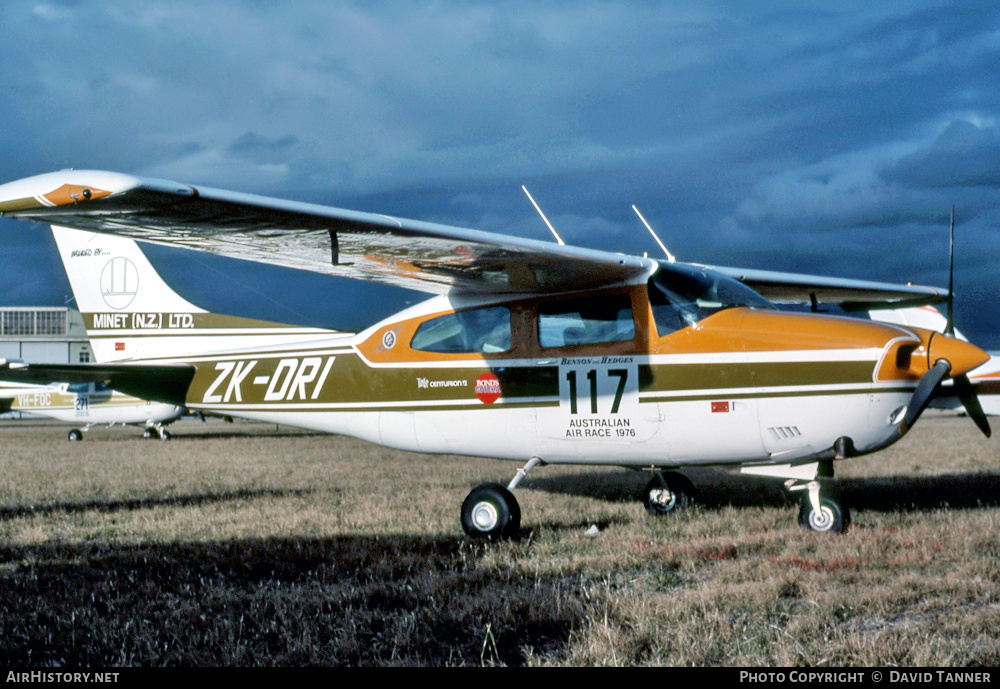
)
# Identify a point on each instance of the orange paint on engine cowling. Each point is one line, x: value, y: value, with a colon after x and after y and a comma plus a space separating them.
x: 963, y: 356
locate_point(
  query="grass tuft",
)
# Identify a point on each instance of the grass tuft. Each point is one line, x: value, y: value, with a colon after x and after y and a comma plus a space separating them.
x: 251, y: 545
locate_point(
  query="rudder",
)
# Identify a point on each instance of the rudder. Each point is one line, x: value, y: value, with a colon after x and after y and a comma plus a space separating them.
x: 130, y: 312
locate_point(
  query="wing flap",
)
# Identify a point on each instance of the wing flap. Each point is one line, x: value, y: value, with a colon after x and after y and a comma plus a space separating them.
x: 417, y: 255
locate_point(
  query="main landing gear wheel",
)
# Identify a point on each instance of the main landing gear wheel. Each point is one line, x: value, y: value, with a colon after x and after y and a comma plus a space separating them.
x: 491, y: 511
x: 667, y: 494
x: 75, y: 435
x: 832, y: 517
x: 164, y: 435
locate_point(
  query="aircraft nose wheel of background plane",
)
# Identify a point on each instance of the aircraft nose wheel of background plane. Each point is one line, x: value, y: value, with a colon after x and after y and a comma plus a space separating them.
x: 667, y: 494
x: 75, y: 435
x: 491, y: 511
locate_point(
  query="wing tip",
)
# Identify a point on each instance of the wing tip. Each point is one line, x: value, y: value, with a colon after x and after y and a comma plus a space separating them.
x: 69, y: 187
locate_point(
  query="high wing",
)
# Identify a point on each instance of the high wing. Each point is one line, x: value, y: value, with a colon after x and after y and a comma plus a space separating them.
x: 166, y: 383
x: 418, y: 255
x: 850, y: 295
x: 425, y: 256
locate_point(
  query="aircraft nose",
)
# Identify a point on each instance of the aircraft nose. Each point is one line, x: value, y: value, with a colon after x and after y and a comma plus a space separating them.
x: 962, y: 355
x: 947, y: 357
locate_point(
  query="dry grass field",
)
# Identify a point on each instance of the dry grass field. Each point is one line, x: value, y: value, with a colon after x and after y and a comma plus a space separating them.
x: 248, y: 544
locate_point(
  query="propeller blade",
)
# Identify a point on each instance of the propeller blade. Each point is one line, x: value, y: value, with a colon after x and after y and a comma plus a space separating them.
x: 964, y: 388
x: 967, y: 394
x: 925, y: 391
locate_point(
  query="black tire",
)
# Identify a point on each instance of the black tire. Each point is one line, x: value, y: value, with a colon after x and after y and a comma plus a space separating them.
x: 75, y: 435
x: 491, y: 511
x: 678, y: 495
x: 164, y: 435
x: 832, y: 517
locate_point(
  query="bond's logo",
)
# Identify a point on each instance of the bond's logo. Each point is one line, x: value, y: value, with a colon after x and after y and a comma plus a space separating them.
x: 488, y: 388
x: 119, y: 282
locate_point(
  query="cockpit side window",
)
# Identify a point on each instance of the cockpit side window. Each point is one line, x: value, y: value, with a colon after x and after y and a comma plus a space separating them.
x: 680, y: 296
x: 592, y: 320
x: 485, y: 330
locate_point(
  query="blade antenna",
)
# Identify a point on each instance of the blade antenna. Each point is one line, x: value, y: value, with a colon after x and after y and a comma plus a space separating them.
x: 547, y: 223
x: 670, y: 256
x: 949, y: 329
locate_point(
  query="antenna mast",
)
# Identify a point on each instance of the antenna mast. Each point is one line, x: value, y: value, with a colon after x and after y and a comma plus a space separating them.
x: 547, y: 223
x: 670, y: 256
x: 949, y: 329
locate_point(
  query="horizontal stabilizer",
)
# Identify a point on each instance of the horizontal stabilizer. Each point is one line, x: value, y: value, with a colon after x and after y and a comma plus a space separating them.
x: 166, y: 383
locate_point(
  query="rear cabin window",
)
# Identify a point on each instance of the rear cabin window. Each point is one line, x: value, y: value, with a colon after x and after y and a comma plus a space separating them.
x: 593, y: 320
x: 485, y: 331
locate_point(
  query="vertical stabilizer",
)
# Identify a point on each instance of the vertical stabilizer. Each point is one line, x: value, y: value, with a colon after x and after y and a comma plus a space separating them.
x: 131, y: 313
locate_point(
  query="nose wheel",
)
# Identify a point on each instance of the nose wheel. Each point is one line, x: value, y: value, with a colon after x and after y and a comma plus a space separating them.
x: 822, y: 513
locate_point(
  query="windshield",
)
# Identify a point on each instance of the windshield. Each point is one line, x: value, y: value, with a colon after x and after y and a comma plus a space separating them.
x: 682, y: 295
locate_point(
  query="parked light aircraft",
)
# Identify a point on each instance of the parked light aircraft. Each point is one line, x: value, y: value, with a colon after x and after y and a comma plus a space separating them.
x: 89, y: 404
x: 529, y: 351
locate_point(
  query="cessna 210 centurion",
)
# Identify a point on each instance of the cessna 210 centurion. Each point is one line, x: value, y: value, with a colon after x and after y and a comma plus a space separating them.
x: 528, y: 351
x: 89, y: 404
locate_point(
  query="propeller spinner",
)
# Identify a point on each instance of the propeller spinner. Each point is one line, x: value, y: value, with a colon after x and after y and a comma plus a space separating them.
x: 948, y: 356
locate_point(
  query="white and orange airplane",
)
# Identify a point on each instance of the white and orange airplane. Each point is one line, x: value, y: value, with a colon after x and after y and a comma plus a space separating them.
x: 88, y: 404
x: 529, y: 351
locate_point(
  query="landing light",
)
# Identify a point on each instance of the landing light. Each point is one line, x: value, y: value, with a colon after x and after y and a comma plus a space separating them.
x: 897, y: 416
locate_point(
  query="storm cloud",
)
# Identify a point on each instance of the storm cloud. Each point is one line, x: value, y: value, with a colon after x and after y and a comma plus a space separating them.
x: 823, y: 139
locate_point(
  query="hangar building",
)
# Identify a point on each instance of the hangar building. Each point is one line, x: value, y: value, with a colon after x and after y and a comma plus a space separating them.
x: 43, y: 335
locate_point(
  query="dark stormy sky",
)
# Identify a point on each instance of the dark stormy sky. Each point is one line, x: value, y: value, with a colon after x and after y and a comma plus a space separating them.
x: 829, y: 138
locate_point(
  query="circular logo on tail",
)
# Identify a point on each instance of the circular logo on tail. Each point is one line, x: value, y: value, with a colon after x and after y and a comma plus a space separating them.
x: 119, y: 282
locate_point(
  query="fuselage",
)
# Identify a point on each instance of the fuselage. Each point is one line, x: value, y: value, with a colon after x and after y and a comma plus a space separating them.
x: 613, y: 376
